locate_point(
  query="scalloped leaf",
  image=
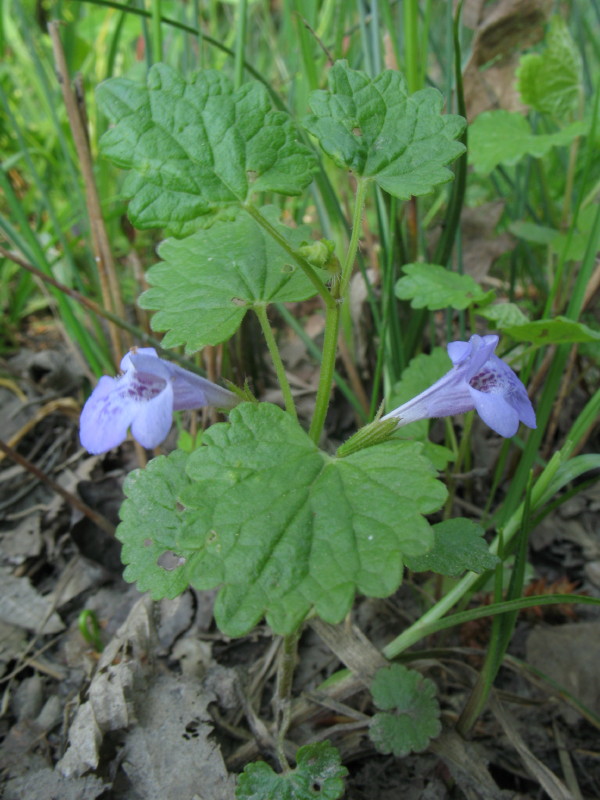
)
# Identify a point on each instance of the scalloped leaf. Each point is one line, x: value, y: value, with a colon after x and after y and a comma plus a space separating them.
x: 319, y: 775
x: 208, y: 281
x: 410, y: 711
x: 196, y: 146
x: 372, y: 127
x: 550, y: 81
x: 286, y: 528
x: 432, y: 286
x: 281, y: 526
x: 150, y: 518
x: 458, y: 546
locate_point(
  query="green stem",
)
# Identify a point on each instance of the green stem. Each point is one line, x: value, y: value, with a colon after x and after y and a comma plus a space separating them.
x: 302, y: 262
x: 332, y: 319
x: 411, y: 44
x: 419, y: 629
x: 332, y: 326
x: 261, y: 313
x: 157, y: 47
x: 283, y: 696
x: 361, y: 193
x: 240, y: 43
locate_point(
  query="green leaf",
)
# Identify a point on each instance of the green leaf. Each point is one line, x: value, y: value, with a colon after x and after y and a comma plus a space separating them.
x: 150, y: 518
x: 196, y: 146
x: 458, y: 546
x: 504, y: 315
x: 414, y: 720
x: 550, y: 81
x: 208, y: 281
x: 434, y: 287
x: 505, y: 137
x: 559, y: 330
x: 372, y: 127
x: 530, y: 232
x: 286, y: 528
x: 319, y: 775
x: 422, y: 371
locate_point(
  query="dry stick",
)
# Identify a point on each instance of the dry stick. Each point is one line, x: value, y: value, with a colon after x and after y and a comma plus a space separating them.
x: 109, y: 285
x: 86, y: 302
x: 99, y: 519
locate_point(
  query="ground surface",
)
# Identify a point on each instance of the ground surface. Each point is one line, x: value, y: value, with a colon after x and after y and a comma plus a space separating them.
x: 172, y: 709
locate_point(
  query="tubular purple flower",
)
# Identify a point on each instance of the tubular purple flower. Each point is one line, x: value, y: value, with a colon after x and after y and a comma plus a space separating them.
x: 478, y: 380
x: 144, y: 398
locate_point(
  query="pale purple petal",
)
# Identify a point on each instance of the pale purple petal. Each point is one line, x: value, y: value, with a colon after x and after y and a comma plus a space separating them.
x: 497, y: 378
x: 450, y: 395
x: 478, y: 380
x: 189, y: 390
x: 108, y: 413
x: 496, y: 412
x: 154, y: 417
x: 193, y: 391
x: 459, y: 351
x: 144, y: 398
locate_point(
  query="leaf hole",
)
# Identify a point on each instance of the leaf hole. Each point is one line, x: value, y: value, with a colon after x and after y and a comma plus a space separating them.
x: 287, y: 268
x: 179, y: 506
x: 170, y: 561
x: 357, y: 131
x: 316, y: 788
x: 148, y: 542
x: 252, y: 175
x: 239, y: 301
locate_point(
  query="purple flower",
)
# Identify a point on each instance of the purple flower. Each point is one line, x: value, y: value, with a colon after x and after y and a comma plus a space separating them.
x: 478, y: 380
x: 144, y: 397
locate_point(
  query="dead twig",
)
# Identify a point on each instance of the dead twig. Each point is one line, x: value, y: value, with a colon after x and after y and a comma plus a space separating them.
x: 111, y: 293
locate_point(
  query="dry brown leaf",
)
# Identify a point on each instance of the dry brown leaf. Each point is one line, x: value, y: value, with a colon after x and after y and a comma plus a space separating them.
x: 509, y: 27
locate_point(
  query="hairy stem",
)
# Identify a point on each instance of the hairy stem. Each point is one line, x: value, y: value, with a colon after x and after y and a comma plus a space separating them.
x: 332, y: 319
x: 283, y: 697
x: 261, y: 313
x: 300, y: 260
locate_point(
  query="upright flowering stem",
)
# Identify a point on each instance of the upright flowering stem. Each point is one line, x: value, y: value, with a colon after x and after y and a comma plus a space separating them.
x: 332, y: 319
x: 261, y: 313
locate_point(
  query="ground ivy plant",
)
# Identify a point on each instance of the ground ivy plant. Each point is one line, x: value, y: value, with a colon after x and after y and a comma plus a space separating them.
x: 282, y: 528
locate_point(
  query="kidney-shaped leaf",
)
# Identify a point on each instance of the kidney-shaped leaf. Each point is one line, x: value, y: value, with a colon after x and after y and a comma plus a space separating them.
x: 281, y: 526
x: 209, y: 280
x: 195, y: 146
x: 372, y: 127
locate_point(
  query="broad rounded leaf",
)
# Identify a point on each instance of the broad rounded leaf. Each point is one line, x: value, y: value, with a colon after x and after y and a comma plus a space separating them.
x: 208, y: 281
x: 559, y: 330
x: 434, y: 287
x: 505, y: 137
x: 196, y: 146
x: 458, y: 546
x: 285, y: 528
x: 319, y: 775
x: 550, y: 81
x: 150, y: 519
x: 414, y: 718
x: 372, y: 127
x: 504, y: 315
